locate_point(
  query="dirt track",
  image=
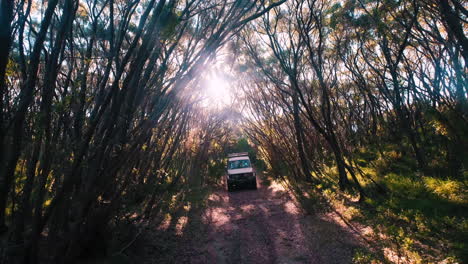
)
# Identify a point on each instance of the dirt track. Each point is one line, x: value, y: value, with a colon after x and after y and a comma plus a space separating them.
x: 264, y: 226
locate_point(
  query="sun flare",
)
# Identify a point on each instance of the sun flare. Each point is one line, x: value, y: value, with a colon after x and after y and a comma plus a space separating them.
x: 218, y: 91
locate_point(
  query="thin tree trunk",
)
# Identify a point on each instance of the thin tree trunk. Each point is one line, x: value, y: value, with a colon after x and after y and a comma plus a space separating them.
x: 25, y: 97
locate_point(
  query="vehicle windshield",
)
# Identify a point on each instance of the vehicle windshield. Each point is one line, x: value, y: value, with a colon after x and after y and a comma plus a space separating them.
x: 238, y: 164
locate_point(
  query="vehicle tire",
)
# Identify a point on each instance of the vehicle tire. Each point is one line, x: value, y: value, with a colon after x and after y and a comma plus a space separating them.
x: 253, y: 184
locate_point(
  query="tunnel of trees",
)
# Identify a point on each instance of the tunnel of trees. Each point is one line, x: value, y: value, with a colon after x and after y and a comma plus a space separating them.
x: 104, y: 119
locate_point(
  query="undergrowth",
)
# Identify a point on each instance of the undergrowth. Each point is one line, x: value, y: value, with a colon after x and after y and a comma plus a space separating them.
x: 414, y: 217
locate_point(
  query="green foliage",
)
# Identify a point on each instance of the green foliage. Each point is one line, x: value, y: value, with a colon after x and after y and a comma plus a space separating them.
x: 422, y: 217
x: 216, y: 169
x: 447, y: 189
x: 242, y: 145
x: 169, y: 25
x: 425, y: 209
x: 11, y: 69
x: 364, y: 257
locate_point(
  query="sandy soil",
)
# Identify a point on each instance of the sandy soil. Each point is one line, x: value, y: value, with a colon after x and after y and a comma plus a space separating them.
x: 262, y: 226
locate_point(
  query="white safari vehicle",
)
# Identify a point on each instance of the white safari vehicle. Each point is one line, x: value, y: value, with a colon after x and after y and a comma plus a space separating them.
x: 240, y: 171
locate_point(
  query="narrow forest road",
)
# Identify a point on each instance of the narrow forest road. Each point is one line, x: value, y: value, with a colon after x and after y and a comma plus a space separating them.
x: 263, y: 226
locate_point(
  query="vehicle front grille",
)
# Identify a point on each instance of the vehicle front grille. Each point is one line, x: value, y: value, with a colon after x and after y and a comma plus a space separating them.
x: 240, y: 176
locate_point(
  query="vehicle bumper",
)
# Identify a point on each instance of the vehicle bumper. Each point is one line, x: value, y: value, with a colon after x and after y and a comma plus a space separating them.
x: 241, y: 182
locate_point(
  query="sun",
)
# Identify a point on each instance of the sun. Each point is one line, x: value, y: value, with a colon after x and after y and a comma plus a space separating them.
x: 217, y: 91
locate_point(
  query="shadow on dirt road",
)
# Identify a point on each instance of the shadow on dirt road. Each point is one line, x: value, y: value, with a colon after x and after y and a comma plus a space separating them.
x: 263, y: 226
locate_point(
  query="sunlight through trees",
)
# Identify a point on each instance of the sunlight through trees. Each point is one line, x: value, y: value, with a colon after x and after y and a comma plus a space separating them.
x: 111, y: 111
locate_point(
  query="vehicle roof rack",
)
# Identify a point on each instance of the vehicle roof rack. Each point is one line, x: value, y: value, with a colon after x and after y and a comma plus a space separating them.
x: 240, y: 154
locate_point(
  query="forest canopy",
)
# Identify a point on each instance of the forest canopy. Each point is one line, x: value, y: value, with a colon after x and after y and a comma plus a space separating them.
x: 109, y: 109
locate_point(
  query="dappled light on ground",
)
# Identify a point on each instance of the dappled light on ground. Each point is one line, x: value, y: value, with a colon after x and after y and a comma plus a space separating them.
x: 266, y: 226
x: 218, y: 216
x: 181, y: 223
x: 250, y: 226
x: 291, y: 208
x: 165, y: 222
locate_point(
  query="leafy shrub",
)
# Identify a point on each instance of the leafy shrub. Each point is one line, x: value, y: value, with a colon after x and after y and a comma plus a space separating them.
x: 364, y: 257
x: 447, y: 189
